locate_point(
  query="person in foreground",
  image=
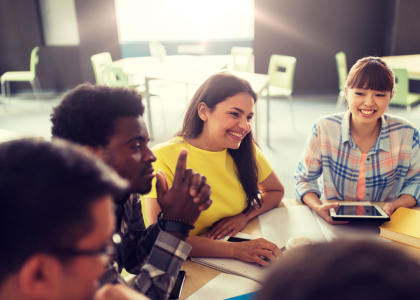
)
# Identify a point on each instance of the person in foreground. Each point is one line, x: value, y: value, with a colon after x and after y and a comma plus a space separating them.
x: 363, y: 154
x: 217, y: 133
x: 56, y: 211
x: 345, y: 271
x: 108, y: 122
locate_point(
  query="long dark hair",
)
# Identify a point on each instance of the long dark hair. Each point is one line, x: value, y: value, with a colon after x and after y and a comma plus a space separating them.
x: 213, y: 91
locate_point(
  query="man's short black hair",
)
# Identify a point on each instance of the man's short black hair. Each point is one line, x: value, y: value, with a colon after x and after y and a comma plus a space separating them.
x: 87, y: 113
x: 345, y: 271
x: 46, y: 193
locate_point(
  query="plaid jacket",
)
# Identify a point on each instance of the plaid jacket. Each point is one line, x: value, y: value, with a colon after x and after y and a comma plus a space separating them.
x: 330, y: 161
x: 153, y: 254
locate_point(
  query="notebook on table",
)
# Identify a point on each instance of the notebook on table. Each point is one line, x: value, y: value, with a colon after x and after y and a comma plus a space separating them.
x: 233, y: 266
x: 404, y: 227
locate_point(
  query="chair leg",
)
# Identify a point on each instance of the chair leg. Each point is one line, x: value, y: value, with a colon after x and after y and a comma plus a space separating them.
x: 3, y: 91
x: 292, y: 115
x: 268, y: 118
x: 34, y: 88
x: 38, y: 85
x: 3, y: 95
x: 340, y: 101
x: 149, y: 113
x: 8, y: 93
x: 163, y: 114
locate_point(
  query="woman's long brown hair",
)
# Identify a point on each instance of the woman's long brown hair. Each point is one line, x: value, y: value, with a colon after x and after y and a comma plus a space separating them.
x: 214, y: 90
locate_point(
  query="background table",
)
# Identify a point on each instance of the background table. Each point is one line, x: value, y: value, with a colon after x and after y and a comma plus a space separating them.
x: 186, y: 69
x: 409, y: 62
x: 198, y: 275
x: 7, y: 135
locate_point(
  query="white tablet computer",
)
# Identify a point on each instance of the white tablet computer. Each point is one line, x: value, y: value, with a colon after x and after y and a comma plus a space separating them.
x: 357, y: 211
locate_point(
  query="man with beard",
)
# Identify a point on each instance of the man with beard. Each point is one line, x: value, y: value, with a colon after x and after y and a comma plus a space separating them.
x: 109, y: 122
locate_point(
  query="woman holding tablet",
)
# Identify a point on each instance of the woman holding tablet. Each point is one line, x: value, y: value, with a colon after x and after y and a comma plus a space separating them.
x: 363, y: 154
x: 217, y: 134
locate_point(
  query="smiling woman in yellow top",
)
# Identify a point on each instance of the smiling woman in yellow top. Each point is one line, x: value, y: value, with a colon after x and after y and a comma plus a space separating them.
x: 217, y: 133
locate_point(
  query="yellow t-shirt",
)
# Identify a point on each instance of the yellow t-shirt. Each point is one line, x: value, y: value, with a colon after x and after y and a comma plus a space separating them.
x: 228, y: 196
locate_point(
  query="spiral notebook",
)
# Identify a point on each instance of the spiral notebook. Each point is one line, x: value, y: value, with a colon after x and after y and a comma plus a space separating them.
x: 233, y: 266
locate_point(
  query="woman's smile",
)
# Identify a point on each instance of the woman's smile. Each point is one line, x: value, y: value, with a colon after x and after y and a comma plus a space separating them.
x: 235, y: 135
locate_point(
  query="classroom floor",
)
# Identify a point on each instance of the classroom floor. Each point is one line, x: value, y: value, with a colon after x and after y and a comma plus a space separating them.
x: 287, y: 136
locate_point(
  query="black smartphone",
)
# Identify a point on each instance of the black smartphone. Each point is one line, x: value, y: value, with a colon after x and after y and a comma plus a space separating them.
x: 179, y: 282
x: 236, y: 240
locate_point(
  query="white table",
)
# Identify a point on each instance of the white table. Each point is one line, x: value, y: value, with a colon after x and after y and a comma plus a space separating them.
x: 186, y: 69
x: 7, y: 135
x: 198, y: 275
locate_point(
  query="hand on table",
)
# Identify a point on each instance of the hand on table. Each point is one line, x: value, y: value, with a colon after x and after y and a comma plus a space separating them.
x: 389, y: 208
x: 188, y: 195
x: 324, y: 211
x: 251, y: 251
x: 118, y: 292
x: 229, y: 225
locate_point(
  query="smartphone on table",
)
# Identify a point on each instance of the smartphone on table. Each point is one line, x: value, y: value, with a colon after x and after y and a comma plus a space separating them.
x: 177, y: 289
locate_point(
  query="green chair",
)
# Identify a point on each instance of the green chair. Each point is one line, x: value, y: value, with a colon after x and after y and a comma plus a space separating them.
x: 243, y: 59
x: 115, y: 77
x: 340, y: 59
x: 282, y: 71
x: 23, y: 76
x: 401, y: 95
x: 98, y: 63
x: 102, y: 59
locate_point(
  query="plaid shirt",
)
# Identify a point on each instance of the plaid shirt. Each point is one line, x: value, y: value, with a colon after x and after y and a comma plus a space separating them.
x: 164, y: 252
x: 330, y: 161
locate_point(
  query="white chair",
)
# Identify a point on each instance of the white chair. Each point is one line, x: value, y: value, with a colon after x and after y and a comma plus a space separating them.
x: 29, y: 76
x: 243, y: 59
x: 282, y: 71
x: 157, y: 50
x: 340, y: 59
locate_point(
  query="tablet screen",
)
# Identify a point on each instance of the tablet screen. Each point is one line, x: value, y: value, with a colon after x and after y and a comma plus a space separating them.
x: 357, y: 210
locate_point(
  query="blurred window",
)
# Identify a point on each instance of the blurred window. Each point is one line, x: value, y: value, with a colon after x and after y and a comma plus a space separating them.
x: 184, y: 20
x: 59, y: 22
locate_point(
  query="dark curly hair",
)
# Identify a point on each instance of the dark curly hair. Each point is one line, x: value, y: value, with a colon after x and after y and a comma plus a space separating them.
x: 88, y: 112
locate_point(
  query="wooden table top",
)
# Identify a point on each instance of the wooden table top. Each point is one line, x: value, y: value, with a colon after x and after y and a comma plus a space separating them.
x: 198, y: 275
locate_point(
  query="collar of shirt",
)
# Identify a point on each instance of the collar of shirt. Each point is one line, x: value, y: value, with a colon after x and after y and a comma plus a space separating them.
x: 382, y: 142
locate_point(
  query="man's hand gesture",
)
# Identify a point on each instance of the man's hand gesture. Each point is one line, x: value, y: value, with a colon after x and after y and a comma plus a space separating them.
x: 188, y: 196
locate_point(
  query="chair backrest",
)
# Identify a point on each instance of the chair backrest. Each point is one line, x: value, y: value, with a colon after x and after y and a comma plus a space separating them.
x: 243, y: 59
x: 401, y: 87
x: 98, y: 63
x: 157, y: 50
x: 340, y: 59
x: 34, y: 60
x: 282, y: 78
x: 114, y: 76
